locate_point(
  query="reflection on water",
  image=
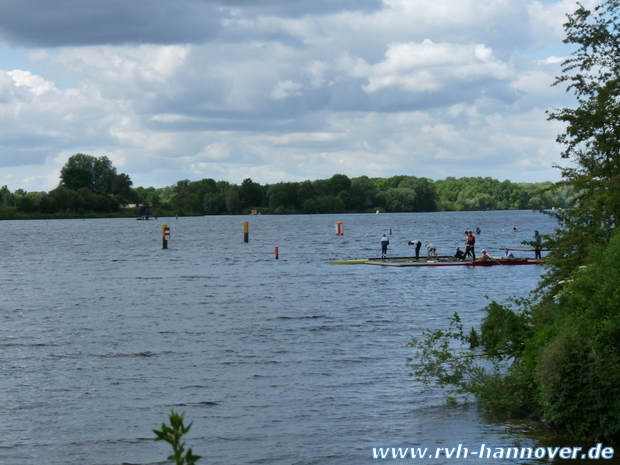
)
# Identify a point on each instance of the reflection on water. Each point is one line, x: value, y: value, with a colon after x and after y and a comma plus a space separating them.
x: 288, y: 361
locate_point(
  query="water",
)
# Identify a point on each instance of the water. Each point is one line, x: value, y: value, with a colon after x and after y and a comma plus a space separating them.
x: 288, y: 361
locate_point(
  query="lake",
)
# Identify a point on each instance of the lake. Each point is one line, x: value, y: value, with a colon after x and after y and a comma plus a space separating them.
x: 287, y: 361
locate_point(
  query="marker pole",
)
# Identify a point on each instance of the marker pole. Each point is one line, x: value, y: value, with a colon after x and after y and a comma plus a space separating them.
x: 165, y: 235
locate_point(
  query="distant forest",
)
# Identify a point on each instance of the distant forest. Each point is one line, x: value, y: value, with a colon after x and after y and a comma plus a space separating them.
x: 91, y: 186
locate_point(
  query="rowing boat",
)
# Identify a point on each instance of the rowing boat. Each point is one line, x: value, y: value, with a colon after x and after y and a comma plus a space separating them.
x: 440, y: 261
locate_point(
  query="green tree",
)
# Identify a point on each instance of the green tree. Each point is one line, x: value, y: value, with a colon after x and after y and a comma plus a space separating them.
x: 363, y: 193
x: 214, y: 203
x: 26, y: 204
x: 193, y: 204
x: 592, y: 136
x: 233, y: 201
x: 251, y: 193
x: 400, y: 199
x: 99, y: 176
x: 78, y: 172
x: 338, y: 183
x: 103, y: 174
x: 4, y: 193
x: 121, y: 185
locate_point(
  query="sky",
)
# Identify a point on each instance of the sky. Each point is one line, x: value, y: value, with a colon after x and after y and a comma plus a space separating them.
x: 281, y: 90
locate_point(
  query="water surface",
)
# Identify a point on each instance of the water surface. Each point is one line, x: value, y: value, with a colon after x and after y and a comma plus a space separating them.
x: 288, y: 361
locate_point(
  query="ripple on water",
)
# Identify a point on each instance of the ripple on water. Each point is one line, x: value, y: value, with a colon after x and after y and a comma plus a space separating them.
x: 275, y: 361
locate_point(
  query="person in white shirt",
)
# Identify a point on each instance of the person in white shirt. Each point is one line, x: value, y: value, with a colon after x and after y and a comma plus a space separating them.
x: 431, y: 250
x: 384, y: 244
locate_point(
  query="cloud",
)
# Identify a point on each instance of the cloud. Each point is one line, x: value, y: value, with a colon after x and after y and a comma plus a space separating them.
x: 284, y: 89
x: 61, y: 23
x: 429, y: 67
x: 279, y: 90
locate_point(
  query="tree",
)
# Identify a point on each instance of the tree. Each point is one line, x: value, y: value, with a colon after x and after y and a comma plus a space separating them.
x: 233, y: 201
x: 214, y: 204
x: 77, y: 172
x: 103, y: 175
x: 96, y: 174
x: 193, y: 204
x: 251, y: 193
x: 5, y: 194
x: 121, y: 185
x: 592, y: 136
x: 338, y: 183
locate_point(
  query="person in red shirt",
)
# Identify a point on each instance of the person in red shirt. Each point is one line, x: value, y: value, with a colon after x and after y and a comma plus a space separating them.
x: 470, y: 244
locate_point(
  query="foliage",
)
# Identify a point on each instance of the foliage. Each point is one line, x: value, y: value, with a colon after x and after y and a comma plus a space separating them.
x: 95, y: 181
x: 459, y: 364
x: 173, y: 435
x: 356, y: 195
x: 444, y: 359
x: 503, y: 331
x: 592, y: 137
x: 575, y: 352
x: 340, y: 194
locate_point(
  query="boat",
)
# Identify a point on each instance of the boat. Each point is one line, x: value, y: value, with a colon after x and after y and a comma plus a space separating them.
x: 439, y: 261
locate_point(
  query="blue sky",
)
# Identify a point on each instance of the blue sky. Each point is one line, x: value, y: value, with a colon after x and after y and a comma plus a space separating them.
x: 278, y: 91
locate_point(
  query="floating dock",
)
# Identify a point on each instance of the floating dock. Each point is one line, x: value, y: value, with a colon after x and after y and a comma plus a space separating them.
x: 440, y: 261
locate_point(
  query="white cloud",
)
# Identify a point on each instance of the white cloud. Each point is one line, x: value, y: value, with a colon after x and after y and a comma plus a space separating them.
x: 215, y: 152
x: 35, y: 84
x: 430, y: 67
x: 415, y: 87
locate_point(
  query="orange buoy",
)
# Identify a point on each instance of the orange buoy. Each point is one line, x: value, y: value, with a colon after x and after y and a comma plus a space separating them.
x: 339, y: 228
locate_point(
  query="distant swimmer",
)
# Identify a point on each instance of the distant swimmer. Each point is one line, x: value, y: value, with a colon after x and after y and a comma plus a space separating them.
x: 478, y: 231
x: 417, y: 244
x: 514, y: 228
x: 431, y: 250
x: 384, y: 245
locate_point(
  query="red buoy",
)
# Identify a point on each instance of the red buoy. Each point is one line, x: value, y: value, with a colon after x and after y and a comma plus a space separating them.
x: 339, y: 228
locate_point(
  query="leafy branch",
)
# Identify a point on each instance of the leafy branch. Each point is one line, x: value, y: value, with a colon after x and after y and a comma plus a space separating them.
x: 173, y: 435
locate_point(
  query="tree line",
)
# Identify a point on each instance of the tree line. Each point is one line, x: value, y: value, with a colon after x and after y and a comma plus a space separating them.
x: 90, y: 185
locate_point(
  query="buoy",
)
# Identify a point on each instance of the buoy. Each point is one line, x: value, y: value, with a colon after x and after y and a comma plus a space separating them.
x: 339, y: 228
x: 246, y: 231
x: 277, y: 253
x: 165, y: 236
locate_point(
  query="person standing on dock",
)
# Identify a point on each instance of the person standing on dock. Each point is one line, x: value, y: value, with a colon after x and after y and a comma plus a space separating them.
x: 537, y: 253
x: 417, y: 244
x: 470, y: 244
x: 384, y: 244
